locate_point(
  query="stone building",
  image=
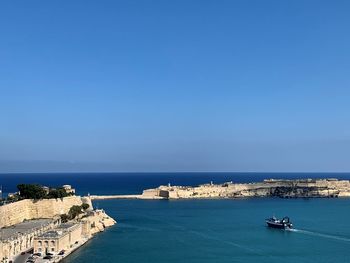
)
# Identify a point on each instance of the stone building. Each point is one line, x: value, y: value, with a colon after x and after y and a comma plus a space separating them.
x: 61, y: 238
x: 68, y: 188
x: 46, y: 189
x: 35, y: 225
x: 20, y: 237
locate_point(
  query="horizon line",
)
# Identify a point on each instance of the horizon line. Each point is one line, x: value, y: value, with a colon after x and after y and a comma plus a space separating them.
x: 179, y: 172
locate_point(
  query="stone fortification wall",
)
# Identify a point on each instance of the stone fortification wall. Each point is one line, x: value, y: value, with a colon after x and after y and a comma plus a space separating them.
x: 271, y: 187
x: 154, y: 194
x: 17, y: 212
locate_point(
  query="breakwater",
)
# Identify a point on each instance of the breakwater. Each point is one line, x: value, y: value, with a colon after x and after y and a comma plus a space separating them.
x: 304, y: 188
x: 106, y: 197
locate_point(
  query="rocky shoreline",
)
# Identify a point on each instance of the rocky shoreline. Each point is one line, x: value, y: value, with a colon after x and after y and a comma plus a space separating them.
x: 299, y: 188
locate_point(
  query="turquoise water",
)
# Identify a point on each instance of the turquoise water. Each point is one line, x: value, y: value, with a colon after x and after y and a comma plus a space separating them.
x: 221, y: 231
x: 205, y: 230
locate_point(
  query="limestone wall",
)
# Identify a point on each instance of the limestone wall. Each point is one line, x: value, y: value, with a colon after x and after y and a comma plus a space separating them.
x: 29, y: 209
x: 271, y: 187
x: 75, y: 234
x: 96, y: 222
x: 150, y: 192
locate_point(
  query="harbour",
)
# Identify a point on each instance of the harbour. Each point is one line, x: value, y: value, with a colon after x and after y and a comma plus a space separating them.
x: 229, y: 228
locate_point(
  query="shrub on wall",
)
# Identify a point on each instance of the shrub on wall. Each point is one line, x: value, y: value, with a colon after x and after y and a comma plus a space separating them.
x: 74, y: 211
x: 64, y: 218
x: 85, y: 206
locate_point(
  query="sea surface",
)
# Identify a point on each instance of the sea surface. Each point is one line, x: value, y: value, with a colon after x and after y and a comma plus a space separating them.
x: 205, y: 230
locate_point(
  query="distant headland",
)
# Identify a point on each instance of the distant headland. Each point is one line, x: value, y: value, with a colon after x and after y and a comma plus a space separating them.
x: 298, y: 188
x: 268, y: 188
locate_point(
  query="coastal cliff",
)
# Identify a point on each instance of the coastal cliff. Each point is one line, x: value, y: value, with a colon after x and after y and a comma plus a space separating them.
x: 97, y: 221
x: 268, y: 188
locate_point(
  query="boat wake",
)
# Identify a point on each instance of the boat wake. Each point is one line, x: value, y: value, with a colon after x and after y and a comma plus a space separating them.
x: 318, y: 234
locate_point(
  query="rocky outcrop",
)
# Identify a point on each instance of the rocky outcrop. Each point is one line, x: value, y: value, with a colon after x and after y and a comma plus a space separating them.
x: 96, y: 221
x: 268, y: 188
x: 106, y: 197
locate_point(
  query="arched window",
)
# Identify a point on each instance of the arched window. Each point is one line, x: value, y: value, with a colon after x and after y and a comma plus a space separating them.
x: 52, y: 243
x: 40, y: 243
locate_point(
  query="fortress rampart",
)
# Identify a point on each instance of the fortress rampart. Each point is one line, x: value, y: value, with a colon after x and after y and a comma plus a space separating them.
x: 268, y: 188
x: 17, y: 212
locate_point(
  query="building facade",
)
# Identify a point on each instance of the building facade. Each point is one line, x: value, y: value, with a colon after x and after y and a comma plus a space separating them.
x: 20, y: 237
x: 61, y: 238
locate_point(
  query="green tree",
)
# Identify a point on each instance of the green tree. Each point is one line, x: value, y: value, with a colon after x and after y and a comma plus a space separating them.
x: 57, y: 193
x: 31, y: 191
x: 85, y: 206
x: 74, y: 211
x: 64, y: 218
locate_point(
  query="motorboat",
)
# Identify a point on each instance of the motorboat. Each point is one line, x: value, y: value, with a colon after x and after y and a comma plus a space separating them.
x: 283, y: 223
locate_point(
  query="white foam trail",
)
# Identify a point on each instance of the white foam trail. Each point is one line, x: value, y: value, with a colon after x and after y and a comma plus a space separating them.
x: 318, y: 234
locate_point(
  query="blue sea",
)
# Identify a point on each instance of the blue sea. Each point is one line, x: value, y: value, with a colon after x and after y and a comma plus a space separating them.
x: 205, y: 230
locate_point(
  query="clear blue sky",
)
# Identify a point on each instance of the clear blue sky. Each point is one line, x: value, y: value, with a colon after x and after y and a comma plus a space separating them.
x: 174, y: 85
